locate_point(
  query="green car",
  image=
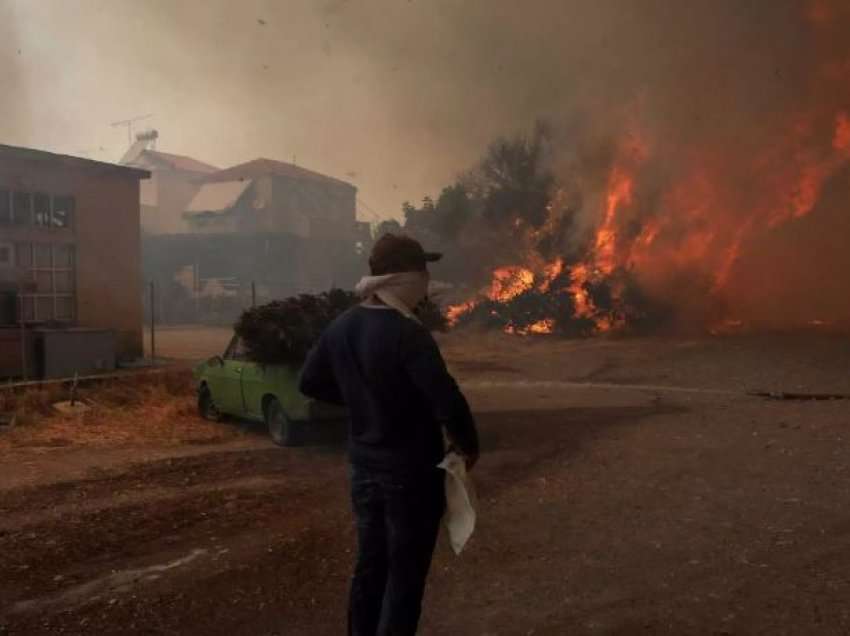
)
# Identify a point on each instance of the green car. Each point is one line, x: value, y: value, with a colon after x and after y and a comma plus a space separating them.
x: 233, y: 385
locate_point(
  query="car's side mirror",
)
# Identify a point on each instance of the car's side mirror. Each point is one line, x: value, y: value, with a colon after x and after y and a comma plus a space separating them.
x: 216, y: 361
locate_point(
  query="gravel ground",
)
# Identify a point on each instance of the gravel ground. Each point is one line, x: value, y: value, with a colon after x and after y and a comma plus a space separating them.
x: 603, y: 510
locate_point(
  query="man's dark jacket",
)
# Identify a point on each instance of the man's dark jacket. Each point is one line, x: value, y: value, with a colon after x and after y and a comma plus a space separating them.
x: 388, y: 371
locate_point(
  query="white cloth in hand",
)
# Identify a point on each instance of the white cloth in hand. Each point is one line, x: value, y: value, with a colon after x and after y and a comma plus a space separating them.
x: 461, y: 502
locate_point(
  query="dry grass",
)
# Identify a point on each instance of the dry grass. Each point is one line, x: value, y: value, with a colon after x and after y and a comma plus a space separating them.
x: 149, y: 408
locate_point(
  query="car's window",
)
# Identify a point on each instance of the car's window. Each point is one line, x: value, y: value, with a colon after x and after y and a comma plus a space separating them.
x: 236, y: 350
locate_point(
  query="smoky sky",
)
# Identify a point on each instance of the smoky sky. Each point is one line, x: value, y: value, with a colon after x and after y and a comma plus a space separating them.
x: 395, y: 96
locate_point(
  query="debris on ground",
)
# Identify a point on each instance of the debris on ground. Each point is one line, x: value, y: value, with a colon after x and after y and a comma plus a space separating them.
x: 782, y: 395
x: 71, y: 407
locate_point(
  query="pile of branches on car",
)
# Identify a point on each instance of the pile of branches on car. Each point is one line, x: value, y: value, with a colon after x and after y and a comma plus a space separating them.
x: 284, y: 331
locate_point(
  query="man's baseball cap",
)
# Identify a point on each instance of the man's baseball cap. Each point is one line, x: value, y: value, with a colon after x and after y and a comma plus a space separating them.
x: 396, y: 253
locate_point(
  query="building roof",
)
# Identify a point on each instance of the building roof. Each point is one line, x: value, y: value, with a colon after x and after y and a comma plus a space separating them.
x: 182, y: 162
x: 140, y: 153
x: 69, y: 161
x: 217, y: 196
x: 263, y: 167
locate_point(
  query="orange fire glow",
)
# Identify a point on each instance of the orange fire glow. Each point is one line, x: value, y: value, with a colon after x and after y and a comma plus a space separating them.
x: 454, y: 312
x: 841, y: 139
x: 619, y: 194
x: 579, y: 276
x: 540, y: 327
x: 551, y: 271
x: 694, y: 215
x: 510, y: 282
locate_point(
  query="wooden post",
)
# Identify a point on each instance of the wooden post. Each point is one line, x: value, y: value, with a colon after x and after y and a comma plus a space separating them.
x: 197, y: 289
x: 24, y: 370
x: 153, y: 323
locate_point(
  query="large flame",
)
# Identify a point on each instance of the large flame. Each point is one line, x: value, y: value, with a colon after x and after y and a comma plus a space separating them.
x: 684, y: 229
x: 510, y: 282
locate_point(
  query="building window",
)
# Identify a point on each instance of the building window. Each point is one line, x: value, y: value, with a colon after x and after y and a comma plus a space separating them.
x: 5, y: 255
x: 5, y: 207
x: 51, y: 294
x: 22, y: 208
x: 41, y: 209
x: 63, y: 211
x: 23, y: 255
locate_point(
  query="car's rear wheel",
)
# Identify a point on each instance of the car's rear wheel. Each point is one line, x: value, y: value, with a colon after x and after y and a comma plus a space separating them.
x: 283, y: 430
x: 206, y: 405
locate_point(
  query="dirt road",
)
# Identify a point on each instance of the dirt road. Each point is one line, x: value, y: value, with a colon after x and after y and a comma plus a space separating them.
x: 603, y: 511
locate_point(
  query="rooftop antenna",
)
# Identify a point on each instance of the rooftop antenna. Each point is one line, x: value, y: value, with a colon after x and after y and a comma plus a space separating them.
x: 149, y: 137
x: 129, y: 124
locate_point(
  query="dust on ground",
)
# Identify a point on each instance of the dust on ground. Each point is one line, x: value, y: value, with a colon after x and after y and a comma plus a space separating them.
x: 188, y: 342
x: 603, y: 511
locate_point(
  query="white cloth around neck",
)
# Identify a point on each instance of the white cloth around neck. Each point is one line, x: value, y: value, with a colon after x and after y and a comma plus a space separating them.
x: 401, y: 291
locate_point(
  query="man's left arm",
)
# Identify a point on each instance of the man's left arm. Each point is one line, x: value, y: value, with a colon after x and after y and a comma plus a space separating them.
x: 426, y: 368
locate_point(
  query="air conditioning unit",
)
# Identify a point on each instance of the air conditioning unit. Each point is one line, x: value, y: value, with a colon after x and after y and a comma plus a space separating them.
x: 61, y: 353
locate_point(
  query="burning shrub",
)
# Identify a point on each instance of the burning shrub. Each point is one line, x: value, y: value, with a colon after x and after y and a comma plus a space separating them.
x: 531, y: 312
x: 563, y: 299
x: 663, y: 240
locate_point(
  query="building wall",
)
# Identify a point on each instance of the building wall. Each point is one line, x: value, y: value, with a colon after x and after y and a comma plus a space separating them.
x: 175, y: 190
x: 11, y: 353
x: 109, y: 260
x: 317, y: 209
x: 105, y: 236
x: 165, y: 196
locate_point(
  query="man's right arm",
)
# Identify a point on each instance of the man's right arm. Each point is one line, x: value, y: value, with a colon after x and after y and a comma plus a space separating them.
x: 426, y: 368
x: 317, y: 378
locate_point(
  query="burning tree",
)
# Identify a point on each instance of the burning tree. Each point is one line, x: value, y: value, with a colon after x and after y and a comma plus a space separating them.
x: 643, y: 232
x: 512, y: 209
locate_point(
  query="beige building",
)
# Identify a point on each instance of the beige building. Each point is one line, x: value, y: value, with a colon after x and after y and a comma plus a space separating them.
x: 264, y: 196
x: 174, y: 182
x: 262, y: 226
x: 70, y: 246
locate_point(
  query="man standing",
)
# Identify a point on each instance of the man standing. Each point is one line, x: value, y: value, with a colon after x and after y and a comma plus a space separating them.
x: 385, y: 366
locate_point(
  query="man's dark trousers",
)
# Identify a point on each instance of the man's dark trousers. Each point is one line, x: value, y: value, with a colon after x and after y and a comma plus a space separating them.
x: 398, y: 519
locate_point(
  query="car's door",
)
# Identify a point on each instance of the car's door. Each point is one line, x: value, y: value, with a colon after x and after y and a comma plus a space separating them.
x: 227, y: 388
x: 255, y: 385
x: 280, y: 381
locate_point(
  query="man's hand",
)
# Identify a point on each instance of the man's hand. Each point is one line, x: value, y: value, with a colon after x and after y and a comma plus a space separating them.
x: 470, y: 459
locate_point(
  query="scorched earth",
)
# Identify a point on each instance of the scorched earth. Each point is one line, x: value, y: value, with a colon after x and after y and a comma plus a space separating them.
x: 626, y: 486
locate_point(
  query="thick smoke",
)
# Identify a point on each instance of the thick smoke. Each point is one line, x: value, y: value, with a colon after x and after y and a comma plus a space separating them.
x: 14, y: 111
x: 731, y: 109
x: 729, y: 120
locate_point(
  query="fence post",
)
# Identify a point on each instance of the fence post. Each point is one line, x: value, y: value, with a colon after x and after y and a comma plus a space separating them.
x: 24, y: 362
x: 197, y: 287
x: 153, y: 323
